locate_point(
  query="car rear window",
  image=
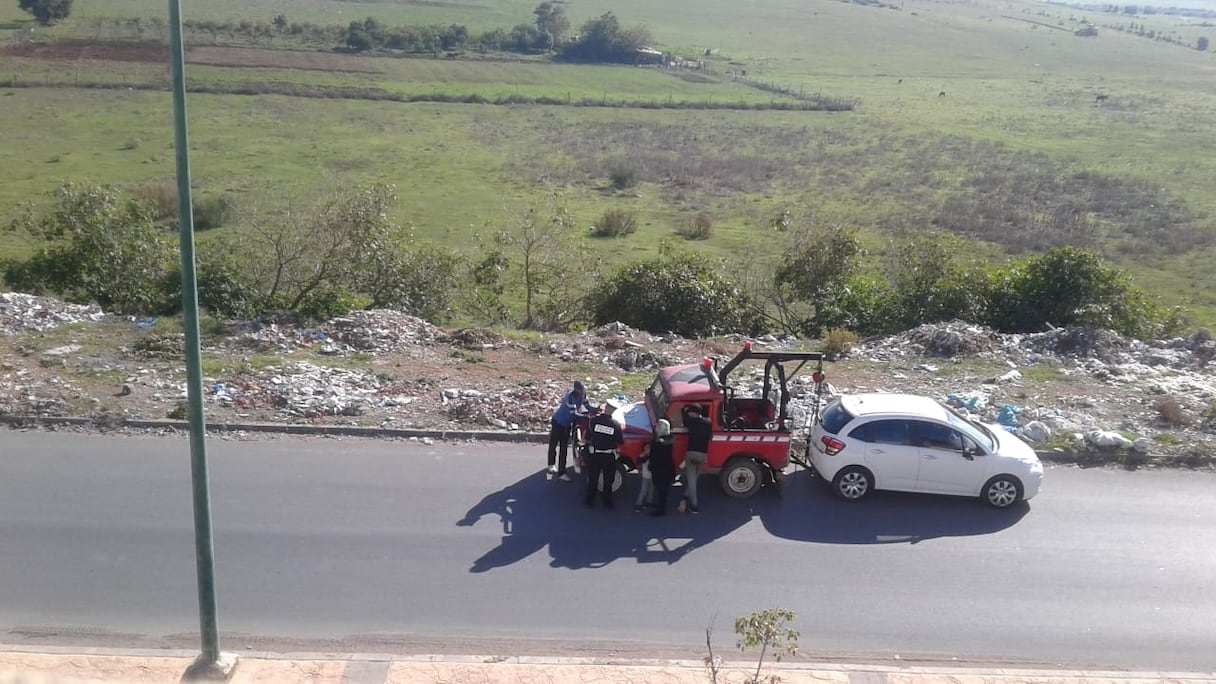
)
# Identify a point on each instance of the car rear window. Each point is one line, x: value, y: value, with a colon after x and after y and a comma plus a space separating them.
x: 835, y: 417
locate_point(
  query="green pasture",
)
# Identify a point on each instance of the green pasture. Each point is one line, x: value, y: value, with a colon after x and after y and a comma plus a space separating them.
x: 1018, y: 133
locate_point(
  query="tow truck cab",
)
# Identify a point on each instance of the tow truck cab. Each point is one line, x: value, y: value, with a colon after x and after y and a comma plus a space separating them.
x: 751, y: 435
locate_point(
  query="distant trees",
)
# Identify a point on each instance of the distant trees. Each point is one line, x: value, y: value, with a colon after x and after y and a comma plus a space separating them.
x: 551, y: 19
x: 47, y: 12
x: 604, y: 40
x: 537, y: 271
x: 821, y: 283
x: 370, y: 34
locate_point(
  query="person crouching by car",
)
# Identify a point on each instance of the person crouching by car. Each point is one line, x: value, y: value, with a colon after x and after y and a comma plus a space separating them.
x: 559, y: 428
x: 662, y: 466
x: 606, y: 438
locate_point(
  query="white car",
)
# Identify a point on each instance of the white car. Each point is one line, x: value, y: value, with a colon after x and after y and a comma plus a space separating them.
x: 910, y: 443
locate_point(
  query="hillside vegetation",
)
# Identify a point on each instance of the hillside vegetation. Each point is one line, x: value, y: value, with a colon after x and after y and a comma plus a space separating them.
x: 969, y: 120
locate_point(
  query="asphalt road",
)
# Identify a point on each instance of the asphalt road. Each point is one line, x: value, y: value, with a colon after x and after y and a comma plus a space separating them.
x: 382, y: 546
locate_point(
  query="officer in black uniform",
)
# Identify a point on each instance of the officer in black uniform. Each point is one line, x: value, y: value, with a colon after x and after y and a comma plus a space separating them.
x: 606, y: 437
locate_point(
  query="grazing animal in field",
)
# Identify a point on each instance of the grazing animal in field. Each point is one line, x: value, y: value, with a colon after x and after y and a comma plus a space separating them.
x: 1102, y: 98
x: 899, y: 81
x: 942, y: 94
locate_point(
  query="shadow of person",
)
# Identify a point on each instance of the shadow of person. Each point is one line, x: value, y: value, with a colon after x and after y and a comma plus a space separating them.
x: 807, y: 511
x: 523, y: 509
x: 535, y: 513
x: 607, y: 537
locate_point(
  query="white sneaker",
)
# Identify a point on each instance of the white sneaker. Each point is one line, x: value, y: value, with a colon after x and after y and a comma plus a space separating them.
x: 565, y: 477
x: 552, y: 470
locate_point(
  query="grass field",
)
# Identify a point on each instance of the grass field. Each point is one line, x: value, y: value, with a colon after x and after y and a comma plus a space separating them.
x: 1018, y: 153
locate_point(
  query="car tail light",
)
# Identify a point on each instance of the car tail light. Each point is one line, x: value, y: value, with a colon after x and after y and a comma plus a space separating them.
x: 831, y: 445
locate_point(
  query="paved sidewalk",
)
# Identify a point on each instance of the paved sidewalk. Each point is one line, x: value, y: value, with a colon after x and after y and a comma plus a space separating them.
x: 106, y: 666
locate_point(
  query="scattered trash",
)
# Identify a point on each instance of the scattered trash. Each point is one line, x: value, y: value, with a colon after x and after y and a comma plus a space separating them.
x: 146, y: 323
x: 1007, y: 416
x: 21, y: 312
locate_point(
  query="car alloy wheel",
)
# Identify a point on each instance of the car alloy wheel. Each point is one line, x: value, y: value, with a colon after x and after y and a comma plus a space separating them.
x: 852, y: 483
x: 1002, y: 492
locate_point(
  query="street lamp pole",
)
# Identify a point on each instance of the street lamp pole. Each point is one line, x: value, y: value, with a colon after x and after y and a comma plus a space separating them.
x: 211, y: 664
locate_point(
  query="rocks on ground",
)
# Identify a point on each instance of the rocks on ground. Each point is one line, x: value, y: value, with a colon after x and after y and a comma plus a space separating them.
x: 1073, y: 385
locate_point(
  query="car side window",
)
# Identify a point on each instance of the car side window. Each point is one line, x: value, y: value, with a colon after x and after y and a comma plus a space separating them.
x: 883, y: 432
x: 936, y: 436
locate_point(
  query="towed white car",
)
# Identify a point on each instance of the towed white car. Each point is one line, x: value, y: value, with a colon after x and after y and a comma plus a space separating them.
x: 910, y: 443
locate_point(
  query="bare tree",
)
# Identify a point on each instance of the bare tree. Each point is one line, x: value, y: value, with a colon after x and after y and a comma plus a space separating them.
x: 544, y: 259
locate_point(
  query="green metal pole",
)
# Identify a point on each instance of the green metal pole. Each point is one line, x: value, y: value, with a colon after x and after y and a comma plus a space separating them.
x: 204, y: 548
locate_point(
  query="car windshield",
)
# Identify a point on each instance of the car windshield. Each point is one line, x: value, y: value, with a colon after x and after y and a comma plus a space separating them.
x: 982, y: 435
x: 835, y: 417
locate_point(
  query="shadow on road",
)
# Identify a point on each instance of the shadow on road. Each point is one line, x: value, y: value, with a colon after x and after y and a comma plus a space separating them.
x: 807, y: 511
x: 536, y: 513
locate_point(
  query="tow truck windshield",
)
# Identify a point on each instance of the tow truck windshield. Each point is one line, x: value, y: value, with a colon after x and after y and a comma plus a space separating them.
x: 658, y: 398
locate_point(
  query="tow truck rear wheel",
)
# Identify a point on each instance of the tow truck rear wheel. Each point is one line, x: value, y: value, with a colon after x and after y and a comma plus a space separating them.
x: 741, y: 477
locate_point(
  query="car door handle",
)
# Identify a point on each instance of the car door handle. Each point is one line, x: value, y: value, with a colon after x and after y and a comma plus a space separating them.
x: 877, y: 451
x: 928, y: 456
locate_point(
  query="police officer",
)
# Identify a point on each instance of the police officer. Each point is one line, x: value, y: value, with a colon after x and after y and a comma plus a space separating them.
x: 606, y: 437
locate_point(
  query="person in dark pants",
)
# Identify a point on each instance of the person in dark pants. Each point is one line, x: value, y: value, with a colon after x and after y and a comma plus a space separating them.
x: 606, y: 438
x: 559, y: 428
x: 662, y: 466
x: 700, y: 430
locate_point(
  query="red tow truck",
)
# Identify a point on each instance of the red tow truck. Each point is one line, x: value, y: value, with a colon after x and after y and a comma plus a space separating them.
x: 751, y: 435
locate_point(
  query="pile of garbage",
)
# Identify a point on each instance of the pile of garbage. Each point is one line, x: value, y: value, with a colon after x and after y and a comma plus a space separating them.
x: 376, y: 331
x: 21, y: 312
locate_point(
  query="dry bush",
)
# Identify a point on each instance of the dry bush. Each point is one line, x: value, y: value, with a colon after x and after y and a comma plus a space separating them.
x: 838, y: 342
x: 1171, y: 412
x: 623, y: 176
x: 697, y: 227
x: 160, y: 195
x: 615, y: 223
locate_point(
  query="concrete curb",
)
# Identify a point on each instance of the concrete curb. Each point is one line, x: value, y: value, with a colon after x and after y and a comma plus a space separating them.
x: 1002, y: 670
x: 276, y: 428
x: 518, y: 437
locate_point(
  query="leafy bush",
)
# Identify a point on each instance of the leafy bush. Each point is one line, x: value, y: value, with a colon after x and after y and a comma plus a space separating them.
x: 47, y: 12
x: 212, y: 211
x: 812, y: 280
x: 94, y: 246
x: 323, y: 304
x: 615, y: 223
x: 683, y: 294
x: 1070, y: 286
x: 423, y: 283
x: 930, y: 282
x: 697, y: 227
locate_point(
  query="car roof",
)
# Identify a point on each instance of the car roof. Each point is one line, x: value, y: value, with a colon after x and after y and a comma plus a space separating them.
x: 894, y: 404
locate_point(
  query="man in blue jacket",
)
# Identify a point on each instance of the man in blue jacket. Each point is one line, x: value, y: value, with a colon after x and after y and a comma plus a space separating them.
x: 559, y: 428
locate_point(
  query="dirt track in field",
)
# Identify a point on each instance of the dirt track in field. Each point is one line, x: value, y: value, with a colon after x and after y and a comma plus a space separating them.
x: 129, y: 51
